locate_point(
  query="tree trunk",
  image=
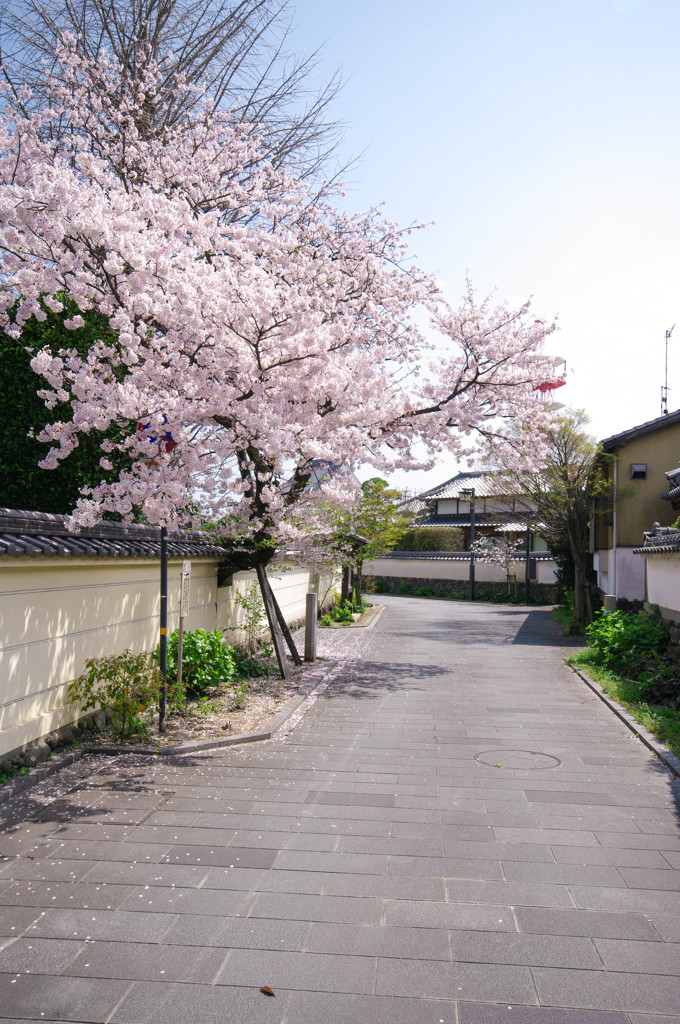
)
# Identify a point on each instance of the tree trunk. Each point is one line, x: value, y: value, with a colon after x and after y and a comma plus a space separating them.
x: 345, y: 589
x: 579, y: 592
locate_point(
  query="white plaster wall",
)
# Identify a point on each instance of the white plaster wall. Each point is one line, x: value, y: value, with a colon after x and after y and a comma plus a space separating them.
x: 57, y: 613
x: 630, y: 581
x: 454, y: 569
x: 663, y: 583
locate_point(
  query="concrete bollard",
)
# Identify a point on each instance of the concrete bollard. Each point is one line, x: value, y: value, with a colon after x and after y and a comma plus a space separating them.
x: 310, y: 626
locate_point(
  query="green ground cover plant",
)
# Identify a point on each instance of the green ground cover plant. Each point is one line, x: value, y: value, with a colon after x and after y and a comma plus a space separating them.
x: 629, y: 656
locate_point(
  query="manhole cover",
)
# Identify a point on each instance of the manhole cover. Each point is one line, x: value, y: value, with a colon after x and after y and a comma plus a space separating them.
x: 520, y: 760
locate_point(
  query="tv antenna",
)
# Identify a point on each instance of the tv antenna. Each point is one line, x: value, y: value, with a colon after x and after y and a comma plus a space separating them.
x: 664, y: 389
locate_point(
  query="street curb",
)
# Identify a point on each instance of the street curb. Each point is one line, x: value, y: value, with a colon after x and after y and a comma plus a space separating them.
x: 666, y: 756
x: 21, y: 783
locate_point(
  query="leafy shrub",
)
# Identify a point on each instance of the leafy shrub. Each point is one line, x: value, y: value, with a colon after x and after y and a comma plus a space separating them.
x: 127, y: 683
x: 631, y: 644
x: 255, y: 621
x: 248, y: 667
x: 379, y: 586
x: 206, y: 661
x: 424, y: 592
x: 339, y: 613
x: 403, y: 588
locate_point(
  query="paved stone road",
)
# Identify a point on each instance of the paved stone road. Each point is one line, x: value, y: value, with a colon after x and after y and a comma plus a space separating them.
x: 456, y: 832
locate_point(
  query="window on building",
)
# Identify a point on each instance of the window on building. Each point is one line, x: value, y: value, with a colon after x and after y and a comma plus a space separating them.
x: 638, y: 470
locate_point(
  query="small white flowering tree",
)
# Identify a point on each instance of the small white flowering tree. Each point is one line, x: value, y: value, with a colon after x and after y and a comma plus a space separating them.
x: 498, y: 551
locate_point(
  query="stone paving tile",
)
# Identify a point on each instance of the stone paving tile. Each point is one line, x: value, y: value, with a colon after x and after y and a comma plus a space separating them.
x: 67, y: 894
x: 100, y: 924
x: 313, y: 1007
x: 432, y: 980
x: 72, y: 999
x: 666, y: 925
x: 490, y: 1013
x: 22, y: 868
x: 644, y: 900
x: 187, y: 901
x: 607, y: 990
x: 647, y: 878
x: 154, y: 1003
x: 511, y: 893
x: 14, y: 920
x: 478, y: 917
x: 318, y: 908
x: 343, y: 863
x: 609, y: 855
x: 639, y: 957
x: 259, y: 880
x: 543, y: 921
x: 32, y: 955
x: 224, y: 856
x: 389, y: 887
x: 527, y: 950
x: 237, y: 933
x: 370, y: 941
x: 311, y: 972
x: 136, y: 961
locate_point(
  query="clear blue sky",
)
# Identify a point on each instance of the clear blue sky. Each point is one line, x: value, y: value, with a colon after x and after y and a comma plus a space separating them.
x: 542, y: 137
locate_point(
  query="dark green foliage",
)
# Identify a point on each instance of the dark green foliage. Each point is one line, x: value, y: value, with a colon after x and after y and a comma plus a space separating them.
x: 431, y: 538
x: 635, y: 645
x: 627, y: 642
x: 23, y: 485
x: 379, y: 586
x: 249, y: 668
x: 207, y: 661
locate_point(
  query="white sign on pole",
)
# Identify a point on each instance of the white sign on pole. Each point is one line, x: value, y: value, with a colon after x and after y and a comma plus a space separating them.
x: 185, y: 596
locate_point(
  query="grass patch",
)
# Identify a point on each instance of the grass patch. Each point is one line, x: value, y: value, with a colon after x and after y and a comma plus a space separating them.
x: 664, y: 723
x: 565, y: 619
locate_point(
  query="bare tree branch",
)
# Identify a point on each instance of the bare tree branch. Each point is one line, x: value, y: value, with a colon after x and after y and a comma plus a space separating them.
x: 235, y: 49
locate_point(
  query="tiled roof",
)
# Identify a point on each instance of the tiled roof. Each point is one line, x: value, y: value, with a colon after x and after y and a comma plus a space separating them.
x: 617, y: 440
x: 486, y: 484
x: 39, y: 534
x: 660, y: 540
x: 463, y: 519
x: 459, y: 556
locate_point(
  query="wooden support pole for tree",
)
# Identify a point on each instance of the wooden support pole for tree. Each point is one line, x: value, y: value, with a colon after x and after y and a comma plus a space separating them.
x: 163, y: 654
x: 277, y: 638
x: 284, y: 629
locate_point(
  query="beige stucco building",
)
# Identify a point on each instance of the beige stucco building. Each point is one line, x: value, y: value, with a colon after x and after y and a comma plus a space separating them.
x: 635, y: 462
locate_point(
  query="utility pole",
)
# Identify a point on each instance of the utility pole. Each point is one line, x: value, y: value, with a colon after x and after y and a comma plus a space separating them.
x: 469, y: 493
x: 664, y: 389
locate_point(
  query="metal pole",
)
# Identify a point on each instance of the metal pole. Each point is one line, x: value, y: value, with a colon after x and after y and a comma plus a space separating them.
x: 310, y: 626
x: 472, y: 542
x: 163, y: 659
x: 527, y: 569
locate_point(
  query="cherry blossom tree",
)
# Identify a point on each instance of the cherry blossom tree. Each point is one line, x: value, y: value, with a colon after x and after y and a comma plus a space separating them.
x: 249, y: 347
x: 501, y: 551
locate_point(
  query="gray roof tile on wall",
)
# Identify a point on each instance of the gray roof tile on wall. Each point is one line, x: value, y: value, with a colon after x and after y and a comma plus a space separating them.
x: 42, y: 535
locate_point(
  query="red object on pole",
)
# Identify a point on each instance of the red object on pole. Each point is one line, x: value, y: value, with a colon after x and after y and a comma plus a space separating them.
x: 549, y: 385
